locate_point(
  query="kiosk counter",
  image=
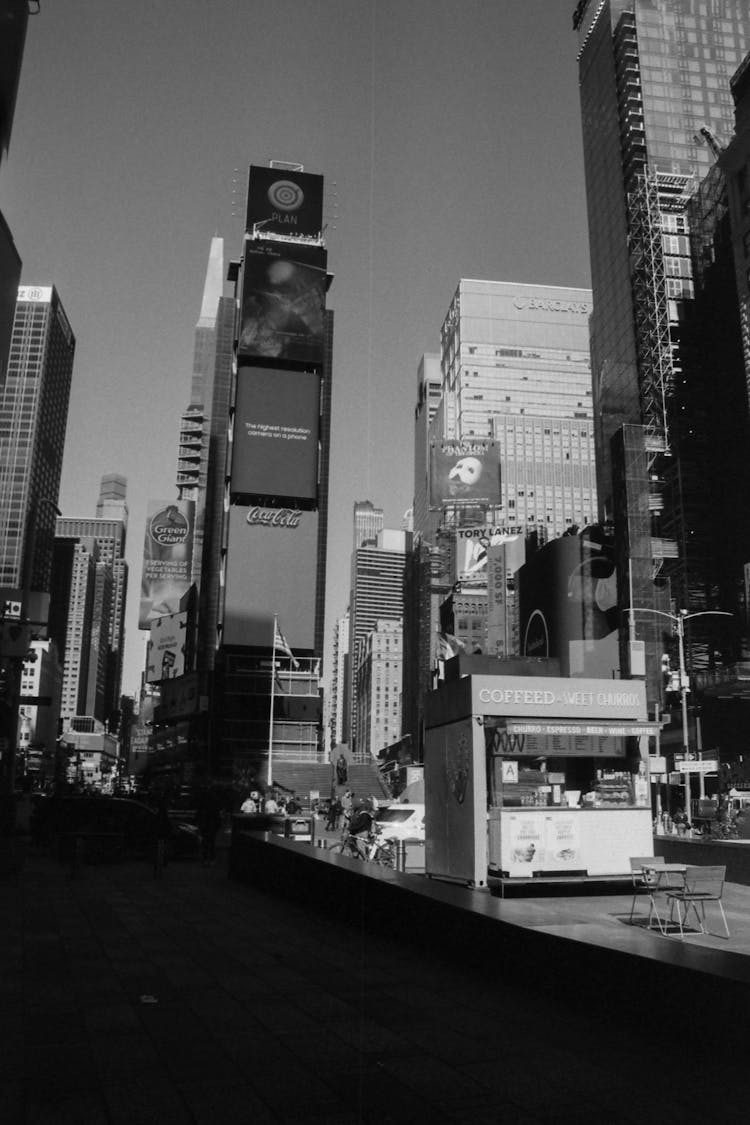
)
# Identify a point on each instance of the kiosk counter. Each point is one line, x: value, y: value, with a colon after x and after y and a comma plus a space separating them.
x: 536, y: 776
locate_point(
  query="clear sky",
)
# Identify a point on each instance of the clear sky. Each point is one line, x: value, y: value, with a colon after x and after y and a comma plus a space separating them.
x: 449, y: 136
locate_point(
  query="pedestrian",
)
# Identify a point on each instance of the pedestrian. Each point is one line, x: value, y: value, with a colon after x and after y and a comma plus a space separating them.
x: 342, y: 771
x: 208, y: 819
x: 334, y: 814
x: 249, y: 807
x: 680, y: 821
x: 270, y: 806
x: 293, y: 806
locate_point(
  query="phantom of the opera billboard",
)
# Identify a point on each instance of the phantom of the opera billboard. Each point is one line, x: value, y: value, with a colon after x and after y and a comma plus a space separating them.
x: 167, y: 558
x: 463, y: 471
x: 568, y: 606
x: 283, y: 202
x: 271, y: 568
x: 283, y: 303
x: 165, y: 652
x: 275, y: 443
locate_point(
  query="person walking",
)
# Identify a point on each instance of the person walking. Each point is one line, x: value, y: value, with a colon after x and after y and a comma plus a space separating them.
x: 342, y: 770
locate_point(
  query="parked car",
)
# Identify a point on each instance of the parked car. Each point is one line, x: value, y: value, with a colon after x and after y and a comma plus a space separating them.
x: 402, y: 822
x: 55, y: 819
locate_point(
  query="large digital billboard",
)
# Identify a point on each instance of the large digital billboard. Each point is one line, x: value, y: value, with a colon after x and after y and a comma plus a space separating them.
x: 271, y: 568
x: 167, y: 558
x: 275, y: 445
x: 284, y: 202
x: 283, y: 302
x: 464, y: 470
x: 568, y: 606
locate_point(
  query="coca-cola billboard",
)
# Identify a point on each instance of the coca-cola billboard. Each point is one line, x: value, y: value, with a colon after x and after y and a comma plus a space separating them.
x: 275, y: 443
x: 271, y: 568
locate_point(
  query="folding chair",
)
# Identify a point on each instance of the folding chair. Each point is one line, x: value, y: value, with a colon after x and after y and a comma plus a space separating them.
x: 702, y: 885
x: 642, y: 882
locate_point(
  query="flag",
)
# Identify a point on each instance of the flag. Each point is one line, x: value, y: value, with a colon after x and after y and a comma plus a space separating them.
x: 448, y: 646
x: 281, y: 644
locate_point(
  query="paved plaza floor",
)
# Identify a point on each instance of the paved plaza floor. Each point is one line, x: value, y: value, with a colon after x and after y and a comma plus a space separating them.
x: 193, y: 999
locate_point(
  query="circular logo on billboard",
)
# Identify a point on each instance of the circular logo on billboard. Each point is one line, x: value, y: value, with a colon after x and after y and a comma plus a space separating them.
x: 286, y: 195
x: 169, y: 526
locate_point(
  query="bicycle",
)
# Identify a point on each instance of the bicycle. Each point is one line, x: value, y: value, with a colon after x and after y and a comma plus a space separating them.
x: 370, y: 848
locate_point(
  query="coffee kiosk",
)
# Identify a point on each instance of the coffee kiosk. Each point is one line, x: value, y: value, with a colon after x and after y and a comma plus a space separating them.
x: 536, y: 777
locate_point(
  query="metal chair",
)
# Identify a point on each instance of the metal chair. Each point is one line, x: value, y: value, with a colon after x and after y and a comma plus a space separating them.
x: 643, y: 883
x: 702, y: 885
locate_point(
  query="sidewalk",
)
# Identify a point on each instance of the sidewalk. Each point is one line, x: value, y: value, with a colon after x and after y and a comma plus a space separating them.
x: 191, y: 998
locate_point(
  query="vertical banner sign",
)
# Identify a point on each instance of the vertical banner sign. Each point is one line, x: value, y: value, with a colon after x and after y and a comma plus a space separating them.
x: 167, y: 558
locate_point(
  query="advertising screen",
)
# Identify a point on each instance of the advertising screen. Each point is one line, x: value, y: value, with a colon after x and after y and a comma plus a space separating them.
x: 464, y: 471
x: 285, y: 202
x: 568, y: 606
x: 271, y: 568
x: 275, y: 446
x: 283, y: 302
x: 167, y: 558
x: 165, y: 654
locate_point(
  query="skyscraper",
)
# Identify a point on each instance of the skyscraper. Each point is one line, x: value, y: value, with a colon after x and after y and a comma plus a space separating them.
x: 368, y: 521
x: 377, y: 594
x: 104, y: 537
x: 271, y: 542
x: 656, y: 108
x: 33, y: 419
x: 14, y: 15
x: 516, y: 368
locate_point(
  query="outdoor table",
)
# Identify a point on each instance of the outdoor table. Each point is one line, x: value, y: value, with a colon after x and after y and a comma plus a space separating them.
x: 660, y: 879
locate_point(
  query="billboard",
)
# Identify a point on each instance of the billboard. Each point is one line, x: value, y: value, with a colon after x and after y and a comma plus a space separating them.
x: 568, y: 606
x: 464, y: 470
x: 283, y: 302
x: 271, y: 568
x: 167, y: 558
x: 275, y: 446
x: 165, y: 653
x: 285, y: 202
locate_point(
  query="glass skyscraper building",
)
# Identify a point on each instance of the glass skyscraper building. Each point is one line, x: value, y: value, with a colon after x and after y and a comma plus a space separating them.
x: 33, y: 419
x: 656, y: 110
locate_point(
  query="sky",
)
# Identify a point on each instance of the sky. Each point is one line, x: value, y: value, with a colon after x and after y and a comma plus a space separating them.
x: 449, y: 137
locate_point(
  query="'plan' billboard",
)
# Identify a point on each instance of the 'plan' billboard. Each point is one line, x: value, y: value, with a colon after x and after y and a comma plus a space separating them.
x: 284, y: 202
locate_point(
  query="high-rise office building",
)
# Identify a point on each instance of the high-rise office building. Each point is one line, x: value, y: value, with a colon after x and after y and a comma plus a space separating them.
x: 516, y: 369
x: 33, y: 419
x: 14, y: 15
x: 656, y: 108
x: 271, y: 543
x: 104, y: 536
x: 368, y: 522
x: 379, y: 688
x: 377, y: 593
x: 338, y: 717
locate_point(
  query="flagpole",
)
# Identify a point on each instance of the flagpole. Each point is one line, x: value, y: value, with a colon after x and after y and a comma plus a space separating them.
x: 269, y: 775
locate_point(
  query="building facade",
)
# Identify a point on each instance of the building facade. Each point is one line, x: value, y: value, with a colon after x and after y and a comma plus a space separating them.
x: 377, y: 593
x: 379, y: 688
x: 656, y: 109
x: 33, y: 420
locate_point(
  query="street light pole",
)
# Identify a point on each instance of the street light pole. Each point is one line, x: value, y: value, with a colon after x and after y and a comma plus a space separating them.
x: 679, y: 620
